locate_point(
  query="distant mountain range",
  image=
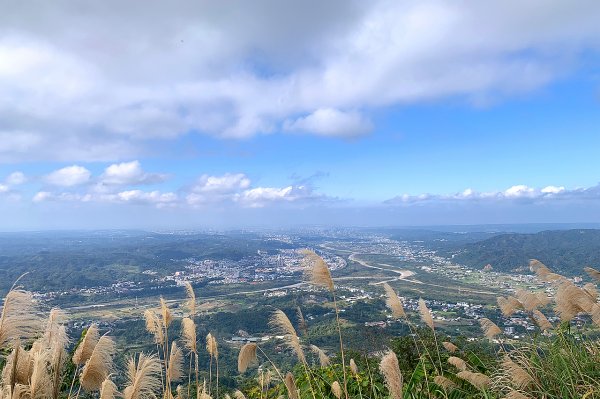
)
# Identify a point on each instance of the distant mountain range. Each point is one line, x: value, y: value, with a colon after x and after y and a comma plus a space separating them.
x: 564, y: 251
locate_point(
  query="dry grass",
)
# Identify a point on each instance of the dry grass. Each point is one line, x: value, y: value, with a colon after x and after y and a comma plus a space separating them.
x: 281, y: 324
x: 317, y: 271
x: 391, y: 373
x: 353, y: 368
x: 19, y: 319
x: 478, y: 380
x: 457, y: 362
x: 108, y: 390
x: 393, y: 302
x: 290, y: 384
x: 336, y: 389
x: 509, y: 305
x: 541, y: 320
x: 191, y: 299
x: 490, y: 329
x: 99, y: 366
x: 143, y: 377
x: 444, y: 382
x: 247, y: 356
x: 450, y: 347
x: 87, y: 345
x: 175, y: 368
x: 517, y: 374
x: 425, y: 314
x: 324, y: 360
x: 188, y: 334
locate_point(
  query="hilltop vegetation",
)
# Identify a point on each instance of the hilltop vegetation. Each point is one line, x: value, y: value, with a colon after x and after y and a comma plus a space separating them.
x: 563, y: 250
x: 554, y: 361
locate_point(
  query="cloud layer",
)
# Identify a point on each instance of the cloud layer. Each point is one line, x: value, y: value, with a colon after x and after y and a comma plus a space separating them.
x: 106, y: 80
x: 119, y: 183
x: 518, y: 193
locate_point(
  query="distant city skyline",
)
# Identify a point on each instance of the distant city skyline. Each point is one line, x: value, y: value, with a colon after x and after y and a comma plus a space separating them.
x: 345, y: 113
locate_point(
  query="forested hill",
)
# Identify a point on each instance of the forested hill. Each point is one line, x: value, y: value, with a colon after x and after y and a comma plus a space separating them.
x: 564, y: 251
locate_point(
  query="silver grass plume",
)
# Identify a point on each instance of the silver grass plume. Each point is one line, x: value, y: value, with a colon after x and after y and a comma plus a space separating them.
x: 211, y: 345
x: 490, y: 329
x: 239, y: 395
x: 478, y: 380
x: 323, y: 358
x: 281, y: 324
x: 188, y: 333
x: 444, y: 382
x: 509, y: 305
x: 40, y: 382
x: 17, y: 368
x: 191, y: 299
x: 166, y: 315
x: 391, y: 372
x: 593, y: 273
x: 143, y: 377
x: 425, y: 313
x: 108, y: 390
x: 450, y: 347
x: 86, y: 346
x: 247, y: 356
x: 317, y: 270
x: 301, y: 321
x: 353, y: 368
x: 541, y: 320
x: 175, y: 363
x: 393, y: 302
x: 290, y: 385
x: 518, y: 375
x: 516, y: 395
x: 154, y: 327
x: 19, y: 319
x: 99, y: 365
x: 336, y: 389
x: 457, y: 362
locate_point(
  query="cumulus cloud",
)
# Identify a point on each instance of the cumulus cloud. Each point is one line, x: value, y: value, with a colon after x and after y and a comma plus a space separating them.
x: 331, y: 122
x: 44, y: 196
x: 517, y: 193
x: 69, y: 176
x: 15, y: 179
x: 230, y: 189
x: 143, y: 197
x: 241, y: 68
x: 129, y: 173
x: 227, y: 190
x: 226, y: 183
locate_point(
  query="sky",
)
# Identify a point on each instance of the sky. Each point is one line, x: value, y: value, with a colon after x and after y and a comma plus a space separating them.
x: 205, y: 114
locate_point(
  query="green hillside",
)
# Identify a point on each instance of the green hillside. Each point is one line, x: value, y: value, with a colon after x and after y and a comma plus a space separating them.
x: 564, y: 251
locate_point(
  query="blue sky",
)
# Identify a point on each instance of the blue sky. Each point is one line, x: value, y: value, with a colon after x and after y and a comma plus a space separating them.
x: 386, y: 113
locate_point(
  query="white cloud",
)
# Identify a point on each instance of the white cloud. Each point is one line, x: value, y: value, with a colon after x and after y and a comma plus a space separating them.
x: 69, y: 176
x: 331, y: 122
x: 142, y: 197
x: 15, y: 179
x: 261, y: 196
x: 227, y: 183
x: 3, y: 188
x: 129, y: 173
x: 73, y: 86
x: 518, y: 193
x: 552, y: 190
x: 44, y: 196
